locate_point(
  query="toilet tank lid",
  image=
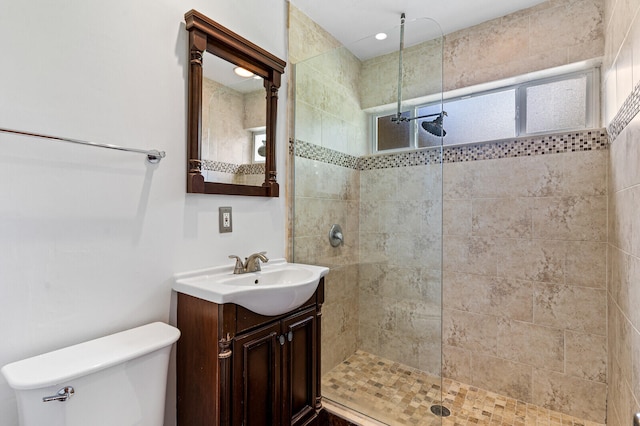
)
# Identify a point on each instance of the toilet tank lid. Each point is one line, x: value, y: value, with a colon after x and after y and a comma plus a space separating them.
x: 57, y: 367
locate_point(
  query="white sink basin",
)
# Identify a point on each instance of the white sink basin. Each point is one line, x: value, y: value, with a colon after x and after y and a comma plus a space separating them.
x: 279, y: 288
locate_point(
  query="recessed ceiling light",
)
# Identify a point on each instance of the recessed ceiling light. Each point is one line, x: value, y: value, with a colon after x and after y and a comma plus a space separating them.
x: 242, y: 72
x: 381, y: 36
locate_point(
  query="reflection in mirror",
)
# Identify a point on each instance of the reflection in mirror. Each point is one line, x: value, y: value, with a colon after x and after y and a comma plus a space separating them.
x: 233, y: 124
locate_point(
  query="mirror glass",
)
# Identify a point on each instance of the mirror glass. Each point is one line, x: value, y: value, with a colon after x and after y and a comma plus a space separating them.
x: 233, y: 134
x: 232, y: 119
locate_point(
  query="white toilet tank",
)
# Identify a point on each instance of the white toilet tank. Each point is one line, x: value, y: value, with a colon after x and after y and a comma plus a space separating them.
x: 117, y: 380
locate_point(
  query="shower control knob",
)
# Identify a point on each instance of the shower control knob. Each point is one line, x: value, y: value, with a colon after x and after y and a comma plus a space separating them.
x: 335, y: 236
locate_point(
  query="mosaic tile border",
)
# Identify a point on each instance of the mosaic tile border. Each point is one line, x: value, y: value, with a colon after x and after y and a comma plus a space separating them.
x: 521, y: 147
x: 630, y: 108
x: 316, y: 152
x: 236, y: 169
x: 587, y: 140
x: 401, y: 159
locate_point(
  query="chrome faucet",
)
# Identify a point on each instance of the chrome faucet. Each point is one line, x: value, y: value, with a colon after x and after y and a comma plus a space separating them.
x: 251, y: 263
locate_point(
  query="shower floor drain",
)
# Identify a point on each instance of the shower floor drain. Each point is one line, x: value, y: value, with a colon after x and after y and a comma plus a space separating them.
x: 441, y: 411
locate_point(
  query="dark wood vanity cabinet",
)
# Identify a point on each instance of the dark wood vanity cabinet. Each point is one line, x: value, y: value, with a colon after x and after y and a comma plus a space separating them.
x: 236, y: 367
x: 275, y: 382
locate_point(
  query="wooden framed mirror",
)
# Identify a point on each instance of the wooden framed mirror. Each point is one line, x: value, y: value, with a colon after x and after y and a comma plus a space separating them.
x: 212, y: 45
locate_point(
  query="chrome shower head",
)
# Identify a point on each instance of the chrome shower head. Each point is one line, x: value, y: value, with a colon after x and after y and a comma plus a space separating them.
x: 435, y: 126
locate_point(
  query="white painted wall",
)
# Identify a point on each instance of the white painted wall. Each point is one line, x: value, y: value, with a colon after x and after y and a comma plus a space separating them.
x: 90, y: 238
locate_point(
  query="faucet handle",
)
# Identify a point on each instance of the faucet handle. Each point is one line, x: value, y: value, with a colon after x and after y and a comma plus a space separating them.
x: 239, y: 268
x: 253, y: 262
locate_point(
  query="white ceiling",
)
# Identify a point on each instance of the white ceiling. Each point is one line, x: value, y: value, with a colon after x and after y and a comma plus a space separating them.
x: 353, y: 20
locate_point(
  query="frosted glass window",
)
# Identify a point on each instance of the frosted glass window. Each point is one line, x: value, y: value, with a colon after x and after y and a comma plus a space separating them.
x: 393, y: 134
x: 558, y: 105
x: 486, y: 117
x: 555, y: 104
x: 259, y: 146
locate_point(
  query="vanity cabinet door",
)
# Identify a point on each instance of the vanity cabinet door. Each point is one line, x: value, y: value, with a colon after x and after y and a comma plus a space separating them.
x: 256, y: 386
x: 299, y: 367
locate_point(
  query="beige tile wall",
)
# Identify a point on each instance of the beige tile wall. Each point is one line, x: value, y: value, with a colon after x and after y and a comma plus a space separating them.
x: 400, y: 261
x: 422, y: 66
x: 621, y: 75
x: 327, y: 113
x: 327, y: 110
x: 524, y: 278
x: 227, y: 117
x: 553, y: 33
x: 236, y: 178
x: 306, y: 38
x: 255, y: 107
x: 249, y: 179
x: 224, y: 137
x: 326, y: 194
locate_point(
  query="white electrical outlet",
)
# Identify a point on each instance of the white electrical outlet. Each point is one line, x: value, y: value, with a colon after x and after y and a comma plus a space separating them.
x: 225, y: 219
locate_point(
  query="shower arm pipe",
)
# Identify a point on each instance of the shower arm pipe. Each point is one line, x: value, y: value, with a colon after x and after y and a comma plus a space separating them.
x: 400, y: 118
x: 153, y: 156
x: 399, y: 113
x: 426, y: 116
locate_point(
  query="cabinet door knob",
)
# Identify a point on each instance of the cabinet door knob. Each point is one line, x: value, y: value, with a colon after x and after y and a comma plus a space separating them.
x: 281, y: 338
x: 290, y: 336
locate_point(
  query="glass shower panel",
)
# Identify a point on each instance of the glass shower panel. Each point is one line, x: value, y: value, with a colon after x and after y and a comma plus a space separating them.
x: 329, y: 126
x: 382, y: 316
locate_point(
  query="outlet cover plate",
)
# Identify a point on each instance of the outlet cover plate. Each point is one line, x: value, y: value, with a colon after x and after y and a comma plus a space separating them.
x: 225, y: 221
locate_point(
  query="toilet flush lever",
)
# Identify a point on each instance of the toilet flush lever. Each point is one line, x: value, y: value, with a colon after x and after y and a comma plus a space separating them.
x: 63, y: 394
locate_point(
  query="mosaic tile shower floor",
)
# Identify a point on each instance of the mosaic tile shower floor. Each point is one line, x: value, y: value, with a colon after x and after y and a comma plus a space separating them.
x: 399, y: 395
